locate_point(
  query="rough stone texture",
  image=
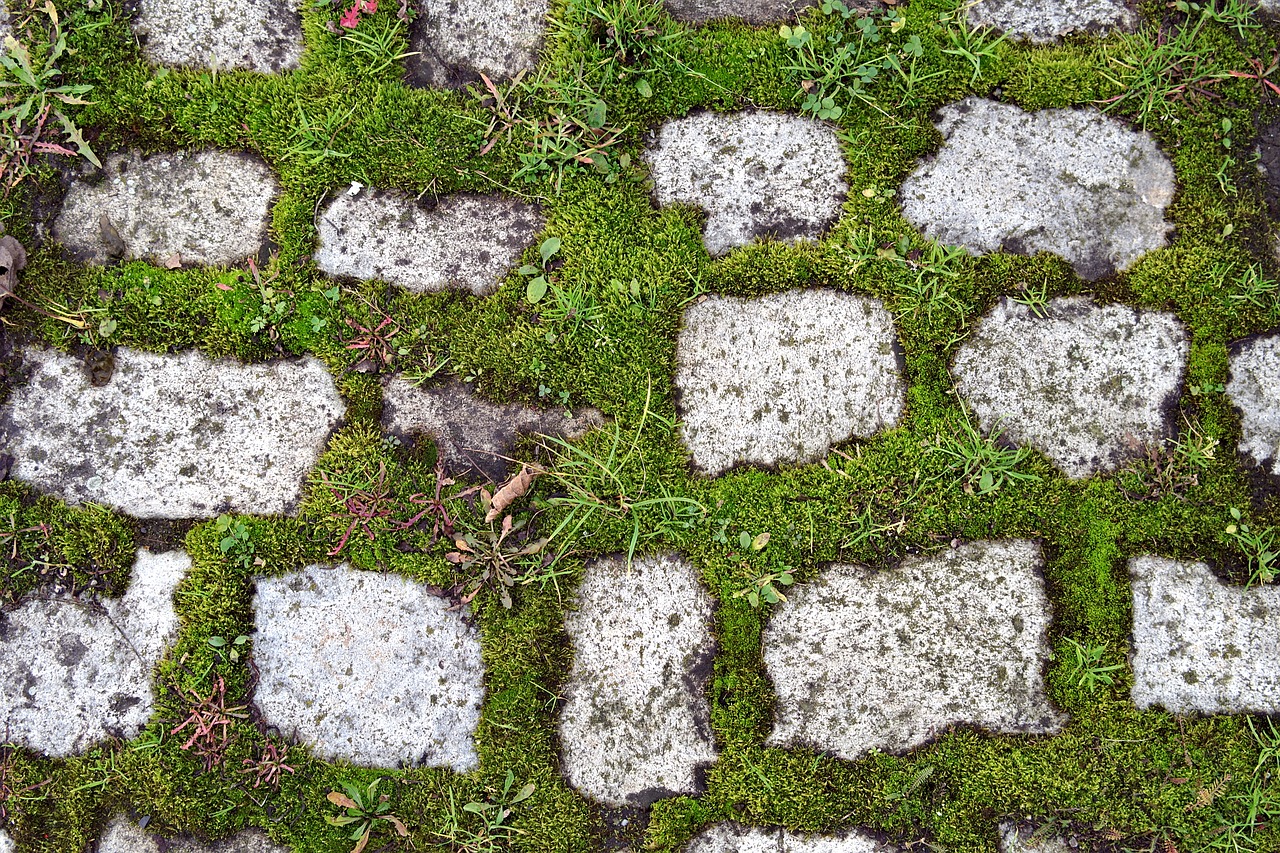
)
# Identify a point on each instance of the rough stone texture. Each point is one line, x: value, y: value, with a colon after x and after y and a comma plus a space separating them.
x: 1087, y: 385
x: 1269, y: 5
x: 465, y: 242
x: 1201, y: 645
x: 1015, y: 840
x: 1042, y: 21
x: 6, y: 843
x: 258, y: 35
x: 170, y: 436
x: 751, y: 11
x: 122, y: 835
x: 368, y: 668
x: 1072, y: 182
x: 755, y: 173
x: 782, y: 378
x: 864, y: 659
x: 1254, y: 388
x: 732, y: 838
x: 75, y: 672
x: 635, y: 725
x: 458, y: 40
x: 207, y: 207
x: 471, y: 434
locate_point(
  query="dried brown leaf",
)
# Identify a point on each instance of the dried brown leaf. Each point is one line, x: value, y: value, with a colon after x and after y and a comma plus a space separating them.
x: 512, y: 491
x: 340, y: 799
x: 173, y: 262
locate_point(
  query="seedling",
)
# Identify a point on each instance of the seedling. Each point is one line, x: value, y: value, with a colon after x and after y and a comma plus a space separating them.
x: 539, y: 274
x: 269, y: 768
x: 493, y: 834
x: 236, y: 541
x: 765, y: 588
x: 365, y: 811
x: 233, y: 646
x: 1089, y: 672
x: 982, y: 464
x: 1258, y: 546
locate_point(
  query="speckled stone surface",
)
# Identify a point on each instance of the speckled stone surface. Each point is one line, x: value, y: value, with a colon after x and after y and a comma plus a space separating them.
x: 368, y: 668
x: 1015, y: 840
x: 782, y: 378
x: 464, y: 242
x: 1072, y: 182
x: 170, y: 436
x: 205, y: 207
x: 732, y: 838
x: 1088, y: 385
x: 1043, y: 21
x: 458, y: 40
x: 756, y: 174
x: 1201, y: 645
x: 257, y: 35
x: 1254, y: 389
x: 751, y: 11
x: 635, y: 724
x: 74, y: 672
x: 123, y: 835
x: 863, y: 659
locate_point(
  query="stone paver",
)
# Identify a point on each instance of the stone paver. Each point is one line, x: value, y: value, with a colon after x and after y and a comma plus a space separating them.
x: 205, y: 207
x: 1088, y: 385
x: 1015, y: 840
x: 1073, y: 182
x: 122, y: 835
x: 635, y: 725
x: 751, y: 11
x: 1254, y: 388
x: 465, y: 242
x: 1042, y: 21
x: 368, y: 668
x: 75, y: 672
x: 473, y: 435
x: 6, y: 843
x: 756, y: 174
x: 258, y: 35
x: 1200, y: 644
x: 170, y: 436
x: 732, y: 838
x: 458, y: 40
x: 863, y: 659
x: 783, y: 377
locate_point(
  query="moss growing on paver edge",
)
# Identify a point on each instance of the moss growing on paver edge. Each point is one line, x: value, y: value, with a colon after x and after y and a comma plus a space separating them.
x: 1117, y: 778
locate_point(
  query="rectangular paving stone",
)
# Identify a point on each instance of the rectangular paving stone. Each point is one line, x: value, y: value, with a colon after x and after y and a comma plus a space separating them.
x: 123, y: 835
x: 458, y: 40
x: 1254, y: 389
x: 732, y: 838
x: 257, y: 35
x: 1201, y: 645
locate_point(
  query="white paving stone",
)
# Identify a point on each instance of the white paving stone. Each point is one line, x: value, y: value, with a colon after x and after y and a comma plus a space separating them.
x: 1268, y: 5
x: 1201, y: 645
x: 1013, y: 840
x: 75, y: 672
x: 123, y: 835
x: 472, y: 434
x: 368, y: 668
x: 635, y: 725
x: 258, y: 35
x: 751, y: 11
x: 732, y: 838
x: 783, y: 377
x: 207, y: 207
x: 6, y: 843
x: 1042, y: 21
x: 170, y: 436
x: 1254, y: 388
x: 465, y: 242
x: 1073, y: 182
x: 864, y: 659
x: 756, y: 174
x: 1088, y: 385
x: 458, y: 40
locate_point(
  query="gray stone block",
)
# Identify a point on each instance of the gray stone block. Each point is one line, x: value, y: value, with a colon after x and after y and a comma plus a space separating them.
x: 257, y: 35
x: 1254, y: 389
x: 732, y: 838
x: 124, y: 836
x: 458, y: 40
x: 1043, y: 21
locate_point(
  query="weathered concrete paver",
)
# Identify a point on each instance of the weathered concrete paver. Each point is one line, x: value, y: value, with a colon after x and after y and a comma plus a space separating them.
x: 6, y: 843
x: 1254, y: 389
x: 204, y: 207
x: 864, y: 659
x: 368, y: 668
x: 123, y: 835
x: 1088, y: 385
x: 257, y: 35
x: 1043, y: 21
x: 170, y: 436
x: 75, y: 672
x: 465, y: 242
x: 751, y: 11
x: 635, y: 724
x: 783, y: 377
x: 1073, y: 182
x: 1015, y: 840
x: 732, y: 838
x: 471, y: 433
x: 756, y: 174
x: 1201, y: 645
x: 458, y: 40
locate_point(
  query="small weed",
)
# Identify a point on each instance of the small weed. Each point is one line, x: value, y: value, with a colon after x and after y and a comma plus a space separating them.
x: 13, y: 791
x: 377, y: 43
x: 232, y: 647
x: 975, y: 46
x: 270, y: 766
x: 1169, y: 467
x: 1088, y: 671
x: 364, y: 811
x: 633, y: 40
x: 539, y: 275
x: 982, y: 464
x: 1247, y: 287
x: 210, y: 719
x: 1035, y: 297
x: 765, y: 588
x: 314, y: 136
x: 497, y: 558
x: 1258, y: 546
x: 236, y: 542
x: 275, y: 305
x: 493, y: 834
